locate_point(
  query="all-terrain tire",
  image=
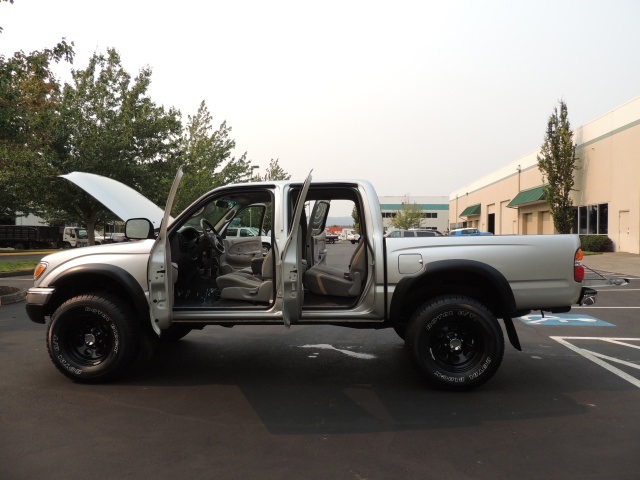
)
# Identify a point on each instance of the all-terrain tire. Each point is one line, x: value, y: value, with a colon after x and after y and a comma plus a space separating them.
x: 93, y: 338
x: 456, y: 342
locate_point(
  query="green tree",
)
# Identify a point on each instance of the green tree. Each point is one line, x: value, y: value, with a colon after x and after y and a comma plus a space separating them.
x: 356, y: 219
x: 109, y: 126
x: 408, y: 217
x: 274, y: 172
x: 29, y: 100
x: 557, y: 162
x: 207, y: 159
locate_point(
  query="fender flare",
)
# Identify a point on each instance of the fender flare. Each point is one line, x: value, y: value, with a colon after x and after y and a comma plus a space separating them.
x: 117, y: 274
x: 493, y: 277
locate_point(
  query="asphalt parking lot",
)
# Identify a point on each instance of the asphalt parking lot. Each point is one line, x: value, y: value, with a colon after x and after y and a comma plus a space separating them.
x: 325, y: 402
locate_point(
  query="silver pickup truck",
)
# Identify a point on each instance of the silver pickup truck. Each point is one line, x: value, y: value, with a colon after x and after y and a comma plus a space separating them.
x: 442, y: 295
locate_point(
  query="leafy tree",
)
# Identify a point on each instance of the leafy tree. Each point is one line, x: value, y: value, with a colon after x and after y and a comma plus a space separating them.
x: 557, y: 161
x: 408, y: 217
x: 110, y: 127
x: 356, y: 219
x: 29, y: 99
x: 207, y: 159
x: 274, y: 172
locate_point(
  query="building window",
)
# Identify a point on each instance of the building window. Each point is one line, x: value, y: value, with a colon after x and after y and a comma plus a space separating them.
x: 582, y: 220
x: 603, y: 218
x: 592, y: 223
x: 593, y: 219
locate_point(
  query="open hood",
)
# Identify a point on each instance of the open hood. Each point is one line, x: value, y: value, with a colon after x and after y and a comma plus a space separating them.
x: 122, y: 200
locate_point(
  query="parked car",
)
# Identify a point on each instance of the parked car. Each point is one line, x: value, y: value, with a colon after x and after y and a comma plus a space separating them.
x: 115, y: 237
x: 413, y: 233
x: 467, y: 231
x: 331, y: 237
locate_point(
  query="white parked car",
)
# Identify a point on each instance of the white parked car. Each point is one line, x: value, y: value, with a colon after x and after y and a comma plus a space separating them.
x: 412, y: 233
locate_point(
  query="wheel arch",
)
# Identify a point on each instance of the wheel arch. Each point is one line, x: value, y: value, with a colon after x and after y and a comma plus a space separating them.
x: 452, y: 277
x: 97, y: 278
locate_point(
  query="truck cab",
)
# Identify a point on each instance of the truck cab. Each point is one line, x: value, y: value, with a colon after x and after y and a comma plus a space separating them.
x: 74, y: 237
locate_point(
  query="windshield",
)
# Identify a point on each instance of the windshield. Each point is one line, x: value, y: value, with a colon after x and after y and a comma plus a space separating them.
x: 81, y: 233
x: 214, y: 212
x: 240, y: 214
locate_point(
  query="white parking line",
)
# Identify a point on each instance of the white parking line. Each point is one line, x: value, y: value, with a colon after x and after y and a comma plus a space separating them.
x: 592, y: 307
x: 599, y: 358
x: 325, y: 346
x: 619, y: 289
x: 617, y: 342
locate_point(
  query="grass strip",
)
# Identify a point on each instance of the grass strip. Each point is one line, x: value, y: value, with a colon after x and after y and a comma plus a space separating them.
x: 18, y: 266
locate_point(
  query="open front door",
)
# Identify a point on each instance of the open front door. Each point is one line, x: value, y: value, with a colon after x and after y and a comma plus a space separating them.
x: 159, y: 270
x: 290, y: 278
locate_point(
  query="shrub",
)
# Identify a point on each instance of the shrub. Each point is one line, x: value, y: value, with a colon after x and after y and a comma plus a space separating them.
x: 596, y: 243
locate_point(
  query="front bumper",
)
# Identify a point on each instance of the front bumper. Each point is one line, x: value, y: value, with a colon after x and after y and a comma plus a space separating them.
x: 36, y: 303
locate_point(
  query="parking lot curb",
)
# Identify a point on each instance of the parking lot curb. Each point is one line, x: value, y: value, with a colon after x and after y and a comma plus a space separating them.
x: 14, y: 294
x: 17, y: 273
x: 13, y: 297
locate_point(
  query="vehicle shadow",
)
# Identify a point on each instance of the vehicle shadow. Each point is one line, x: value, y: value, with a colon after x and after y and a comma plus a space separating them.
x: 295, y: 390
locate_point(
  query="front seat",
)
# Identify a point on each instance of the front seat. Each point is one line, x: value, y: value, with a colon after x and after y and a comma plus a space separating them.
x: 242, y: 285
x: 324, y: 280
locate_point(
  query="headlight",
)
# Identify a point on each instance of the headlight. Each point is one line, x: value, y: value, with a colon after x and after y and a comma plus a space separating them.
x: 40, y: 268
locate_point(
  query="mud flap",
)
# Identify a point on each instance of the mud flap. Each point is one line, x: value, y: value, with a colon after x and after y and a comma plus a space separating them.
x: 511, y: 333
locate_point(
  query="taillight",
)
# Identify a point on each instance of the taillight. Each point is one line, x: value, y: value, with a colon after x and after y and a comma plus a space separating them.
x: 578, y: 268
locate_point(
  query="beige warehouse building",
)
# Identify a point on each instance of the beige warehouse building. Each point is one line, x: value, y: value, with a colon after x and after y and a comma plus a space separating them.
x: 607, y: 187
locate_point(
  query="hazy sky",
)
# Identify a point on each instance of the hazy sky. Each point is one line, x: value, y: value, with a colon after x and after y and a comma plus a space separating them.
x: 419, y: 97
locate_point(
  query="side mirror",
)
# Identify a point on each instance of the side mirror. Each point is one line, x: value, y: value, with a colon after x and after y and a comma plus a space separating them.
x: 138, y: 229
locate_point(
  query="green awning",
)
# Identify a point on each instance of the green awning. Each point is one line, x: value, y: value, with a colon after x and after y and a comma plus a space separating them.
x: 471, y: 210
x: 532, y: 195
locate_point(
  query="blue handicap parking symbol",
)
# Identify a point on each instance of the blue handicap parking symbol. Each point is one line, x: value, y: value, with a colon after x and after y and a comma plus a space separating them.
x: 565, y: 320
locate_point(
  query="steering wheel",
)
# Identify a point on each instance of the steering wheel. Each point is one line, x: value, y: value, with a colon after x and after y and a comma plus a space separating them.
x: 211, y: 235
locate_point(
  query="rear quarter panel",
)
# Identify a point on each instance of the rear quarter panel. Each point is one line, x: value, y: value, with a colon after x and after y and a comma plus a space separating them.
x: 539, y: 268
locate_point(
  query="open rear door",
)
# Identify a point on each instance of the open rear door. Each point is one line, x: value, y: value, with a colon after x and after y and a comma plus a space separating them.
x: 290, y: 281
x: 317, y: 236
x: 159, y: 270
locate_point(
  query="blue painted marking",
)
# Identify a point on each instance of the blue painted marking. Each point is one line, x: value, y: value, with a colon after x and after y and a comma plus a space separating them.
x: 565, y: 320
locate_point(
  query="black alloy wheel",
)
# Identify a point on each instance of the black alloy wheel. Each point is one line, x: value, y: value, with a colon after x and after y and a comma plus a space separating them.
x: 456, y: 342
x: 93, y: 337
